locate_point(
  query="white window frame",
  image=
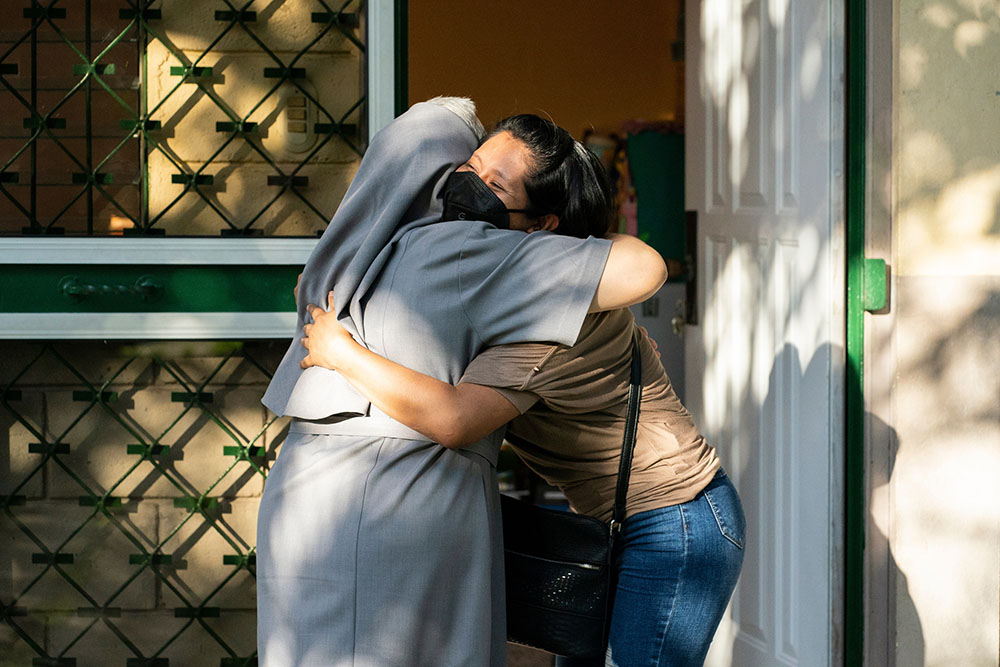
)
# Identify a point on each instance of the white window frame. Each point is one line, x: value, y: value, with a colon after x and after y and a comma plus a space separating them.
x: 153, y: 251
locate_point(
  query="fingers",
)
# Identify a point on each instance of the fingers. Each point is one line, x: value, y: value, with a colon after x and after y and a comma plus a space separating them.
x: 653, y: 343
x: 646, y: 334
x: 304, y: 341
x: 315, y: 311
x: 306, y: 332
x: 307, y: 361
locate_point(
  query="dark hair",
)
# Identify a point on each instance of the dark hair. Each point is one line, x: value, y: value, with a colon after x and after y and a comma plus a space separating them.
x: 565, y: 178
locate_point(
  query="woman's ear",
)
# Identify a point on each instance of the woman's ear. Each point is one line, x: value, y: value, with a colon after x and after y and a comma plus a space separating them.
x: 547, y: 223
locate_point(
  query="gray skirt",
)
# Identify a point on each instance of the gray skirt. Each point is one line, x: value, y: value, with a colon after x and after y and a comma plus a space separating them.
x: 377, y: 552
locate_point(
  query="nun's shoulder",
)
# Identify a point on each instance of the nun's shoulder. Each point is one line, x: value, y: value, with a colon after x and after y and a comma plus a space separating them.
x: 466, y: 234
x: 478, y: 237
x: 425, y: 130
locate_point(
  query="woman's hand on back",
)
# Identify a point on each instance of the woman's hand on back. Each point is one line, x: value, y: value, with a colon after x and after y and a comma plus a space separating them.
x: 328, y: 343
x: 451, y: 416
x: 653, y: 343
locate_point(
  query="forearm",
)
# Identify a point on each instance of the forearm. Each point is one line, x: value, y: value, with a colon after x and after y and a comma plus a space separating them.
x: 449, y: 415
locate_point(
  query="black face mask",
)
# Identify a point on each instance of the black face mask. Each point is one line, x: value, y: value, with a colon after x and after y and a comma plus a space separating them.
x: 466, y: 197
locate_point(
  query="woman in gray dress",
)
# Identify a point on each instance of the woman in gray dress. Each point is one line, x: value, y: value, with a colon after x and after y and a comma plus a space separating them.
x: 376, y: 546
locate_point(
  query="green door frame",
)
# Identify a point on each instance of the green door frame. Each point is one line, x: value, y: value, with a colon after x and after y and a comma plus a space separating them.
x: 854, y: 469
x: 866, y: 291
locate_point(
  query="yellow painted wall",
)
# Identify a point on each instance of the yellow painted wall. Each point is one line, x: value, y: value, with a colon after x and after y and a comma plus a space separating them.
x: 585, y: 64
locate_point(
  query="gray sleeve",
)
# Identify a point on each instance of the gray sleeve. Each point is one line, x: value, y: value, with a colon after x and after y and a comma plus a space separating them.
x: 536, y: 287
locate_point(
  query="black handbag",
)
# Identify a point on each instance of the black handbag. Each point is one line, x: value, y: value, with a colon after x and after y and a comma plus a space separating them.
x: 559, y: 566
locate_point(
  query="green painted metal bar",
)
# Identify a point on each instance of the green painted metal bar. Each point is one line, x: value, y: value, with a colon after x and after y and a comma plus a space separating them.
x: 53, y: 288
x: 854, y: 463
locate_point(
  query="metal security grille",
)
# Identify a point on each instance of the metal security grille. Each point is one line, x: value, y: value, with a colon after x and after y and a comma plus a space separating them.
x: 178, y: 117
x: 129, y: 502
x: 130, y: 474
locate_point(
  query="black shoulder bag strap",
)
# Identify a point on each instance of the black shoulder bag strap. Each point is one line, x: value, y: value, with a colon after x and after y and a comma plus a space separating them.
x: 628, y: 440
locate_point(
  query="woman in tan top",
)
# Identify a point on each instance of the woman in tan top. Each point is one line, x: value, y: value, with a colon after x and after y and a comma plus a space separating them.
x: 682, y: 541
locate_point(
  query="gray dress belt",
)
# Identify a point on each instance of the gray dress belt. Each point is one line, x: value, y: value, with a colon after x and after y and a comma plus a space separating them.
x: 373, y: 426
x: 383, y: 426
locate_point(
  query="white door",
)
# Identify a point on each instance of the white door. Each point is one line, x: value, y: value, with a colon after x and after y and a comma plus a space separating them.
x: 764, y: 365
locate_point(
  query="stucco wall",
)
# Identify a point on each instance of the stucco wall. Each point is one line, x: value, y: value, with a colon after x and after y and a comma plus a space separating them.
x: 941, y: 506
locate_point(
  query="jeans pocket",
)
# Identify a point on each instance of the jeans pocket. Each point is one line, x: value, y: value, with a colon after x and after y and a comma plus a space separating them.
x: 725, y: 502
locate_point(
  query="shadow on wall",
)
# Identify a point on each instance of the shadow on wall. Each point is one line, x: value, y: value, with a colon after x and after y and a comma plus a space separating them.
x: 897, y: 609
x: 774, y: 473
x: 935, y: 502
x: 941, y: 505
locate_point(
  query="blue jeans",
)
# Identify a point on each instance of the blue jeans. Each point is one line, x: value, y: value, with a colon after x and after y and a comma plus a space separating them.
x: 677, y: 568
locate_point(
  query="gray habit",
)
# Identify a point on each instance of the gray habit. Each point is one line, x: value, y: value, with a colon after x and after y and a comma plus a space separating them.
x: 397, y: 188
x: 375, y: 546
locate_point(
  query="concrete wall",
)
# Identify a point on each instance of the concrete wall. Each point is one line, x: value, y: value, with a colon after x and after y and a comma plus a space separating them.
x: 940, y: 417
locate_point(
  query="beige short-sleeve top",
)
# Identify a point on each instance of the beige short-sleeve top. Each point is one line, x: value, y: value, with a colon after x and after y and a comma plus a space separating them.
x: 573, y: 402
